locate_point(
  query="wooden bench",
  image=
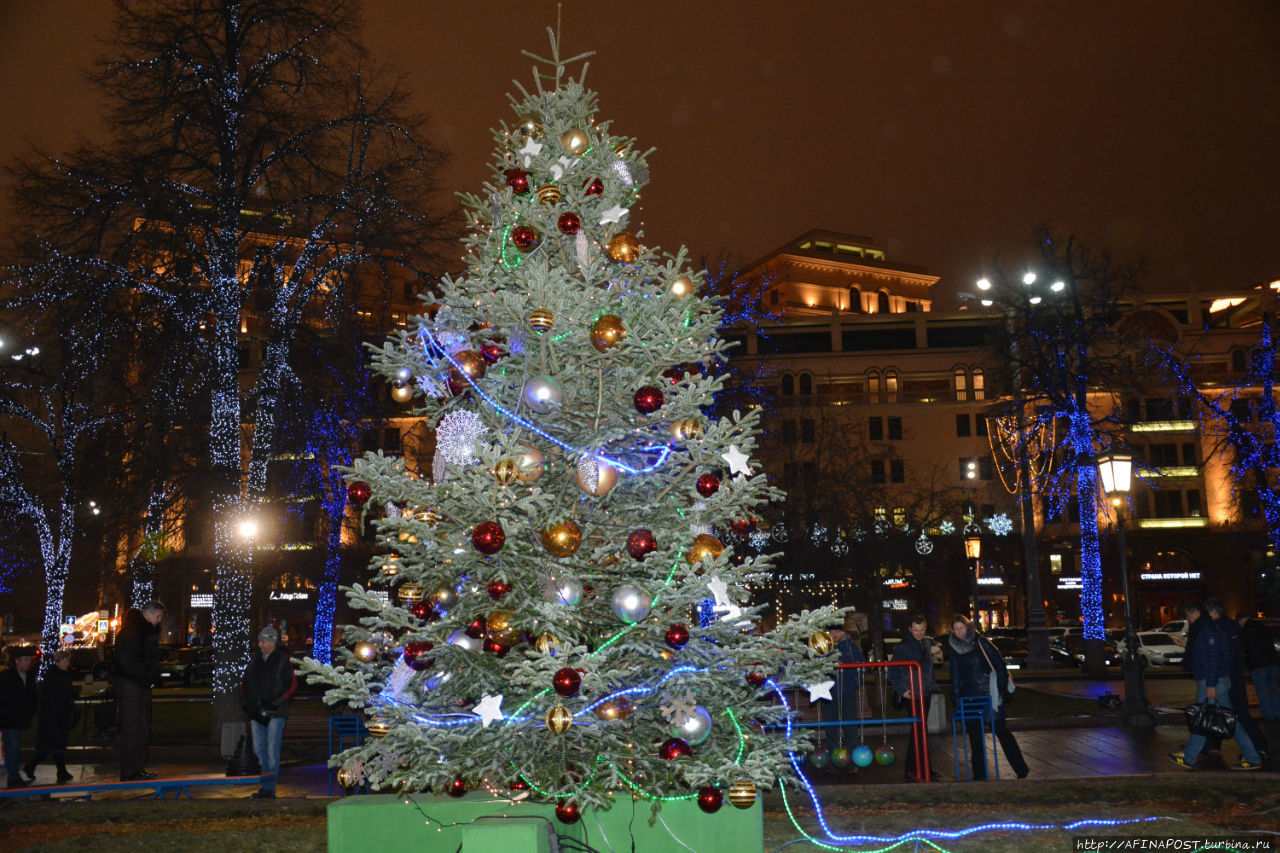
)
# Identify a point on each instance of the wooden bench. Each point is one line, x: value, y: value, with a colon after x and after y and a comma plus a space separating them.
x: 178, y: 786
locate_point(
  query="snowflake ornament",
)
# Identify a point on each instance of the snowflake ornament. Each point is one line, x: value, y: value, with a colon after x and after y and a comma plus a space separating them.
x: 623, y: 173
x: 840, y: 548
x: 1000, y: 524
x: 924, y: 545
x: 580, y: 246
x: 678, y: 708
x: 456, y: 437
x: 946, y: 528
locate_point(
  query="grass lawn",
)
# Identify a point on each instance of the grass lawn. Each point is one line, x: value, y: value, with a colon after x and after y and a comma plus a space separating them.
x: 1200, y: 804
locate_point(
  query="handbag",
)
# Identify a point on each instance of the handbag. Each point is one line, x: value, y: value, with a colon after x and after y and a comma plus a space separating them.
x: 993, y: 683
x: 1211, y: 720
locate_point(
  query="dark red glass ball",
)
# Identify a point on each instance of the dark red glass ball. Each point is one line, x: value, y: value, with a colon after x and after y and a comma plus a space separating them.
x: 491, y: 352
x: 708, y: 484
x: 569, y: 222
x: 568, y: 812
x: 488, y: 537
x: 743, y: 526
x: 415, y: 654
x: 476, y: 629
x: 566, y: 682
x: 710, y: 799
x: 674, y: 748
x: 594, y: 187
x: 677, y: 636
x: 641, y: 543
x: 455, y: 387
x: 520, y: 785
x: 497, y: 589
x: 518, y: 180
x: 359, y: 492
x: 424, y: 611
x: 496, y: 649
x: 524, y: 237
x: 756, y: 679
x: 649, y: 399
x: 457, y: 787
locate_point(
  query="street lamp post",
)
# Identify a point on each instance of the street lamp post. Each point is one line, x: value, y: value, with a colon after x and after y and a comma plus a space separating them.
x: 973, y: 552
x: 1116, y: 470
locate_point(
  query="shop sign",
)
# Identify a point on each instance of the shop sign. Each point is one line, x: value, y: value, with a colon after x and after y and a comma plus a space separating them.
x: 1170, y: 576
x: 276, y: 595
x: 895, y: 604
x: 990, y: 581
x: 1070, y: 583
x: 201, y: 601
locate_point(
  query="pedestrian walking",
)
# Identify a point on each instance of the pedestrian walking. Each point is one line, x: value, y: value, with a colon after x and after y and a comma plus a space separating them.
x: 974, y: 662
x: 918, y: 647
x: 135, y: 669
x: 58, y: 716
x: 1211, y: 667
x: 1239, y: 698
x: 18, y: 703
x: 265, y: 690
x: 1261, y: 660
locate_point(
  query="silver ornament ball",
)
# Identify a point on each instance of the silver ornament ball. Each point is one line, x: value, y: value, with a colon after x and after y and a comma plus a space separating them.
x: 543, y: 394
x: 696, y: 727
x: 565, y: 591
x: 631, y: 604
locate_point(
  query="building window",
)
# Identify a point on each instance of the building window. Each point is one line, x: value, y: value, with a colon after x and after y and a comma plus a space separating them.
x: 1167, y: 504
x: 882, y: 302
x: 962, y: 426
x: 962, y: 385
x: 806, y: 384
x: 1189, y: 455
x: 980, y: 425
x: 807, y: 432
x: 895, y: 429
x: 897, y: 471
x: 877, y: 472
x: 1162, y: 455
x: 1241, y: 411
x: 855, y: 300
x: 986, y: 470
x: 773, y: 297
x: 1194, y: 509
x: 788, y: 385
x: 968, y: 468
x: 873, y: 386
x: 979, y: 385
x: 1239, y: 361
x: 875, y: 429
x: 789, y: 431
x: 899, y: 516
x: 890, y: 386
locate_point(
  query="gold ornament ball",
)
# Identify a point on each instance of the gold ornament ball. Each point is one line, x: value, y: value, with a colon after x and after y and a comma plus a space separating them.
x: 623, y: 247
x: 575, y: 141
x: 686, y: 429
x: 409, y: 592
x: 601, y: 476
x: 468, y: 363
x: 529, y: 127
x: 821, y: 642
x: 742, y: 794
x: 617, y: 708
x: 562, y: 539
x: 445, y: 595
x: 349, y: 777
x: 425, y: 514
x: 530, y: 463
x: 502, y: 628
x: 682, y: 287
x: 365, y: 651
x: 549, y: 194
x: 607, y: 332
x: 378, y: 726
x: 506, y: 472
x: 559, y: 719
x: 705, y: 547
x: 541, y: 320
x: 402, y: 393
x: 547, y: 643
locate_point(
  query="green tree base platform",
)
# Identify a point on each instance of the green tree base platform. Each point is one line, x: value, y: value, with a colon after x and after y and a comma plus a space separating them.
x: 480, y: 823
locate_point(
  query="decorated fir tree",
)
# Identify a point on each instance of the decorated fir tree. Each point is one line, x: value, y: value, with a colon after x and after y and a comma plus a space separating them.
x: 555, y: 610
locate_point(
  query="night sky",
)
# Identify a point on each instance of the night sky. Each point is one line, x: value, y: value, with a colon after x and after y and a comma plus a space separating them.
x: 945, y: 130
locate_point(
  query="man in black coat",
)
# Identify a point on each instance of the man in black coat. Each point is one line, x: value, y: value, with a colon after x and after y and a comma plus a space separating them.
x: 57, y: 717
x: 265, y: 690
x: 1261, y: 659
x: 135, y: 668
x: 18, y: 701
x: 916, y: 646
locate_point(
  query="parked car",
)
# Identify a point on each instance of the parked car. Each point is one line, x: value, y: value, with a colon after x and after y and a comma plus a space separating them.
x: 1013, y: 651
x: 1156, y: 648
x: 1177, y: 627
x: 1074, y: 647
x: 189, y: 665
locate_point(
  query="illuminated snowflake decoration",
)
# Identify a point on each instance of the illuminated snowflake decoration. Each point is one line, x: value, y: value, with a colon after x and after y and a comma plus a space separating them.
x: 456, y: 437
x: 924, y: 545
x: 882, y: 526
x: 780, y: 532
x: 840, y: 548
x: 946, y: 528
x: 819, y: 534
x: 758, y: 539
x: 1000, y: 524
x: 623, y: 172
x: 677, y: 708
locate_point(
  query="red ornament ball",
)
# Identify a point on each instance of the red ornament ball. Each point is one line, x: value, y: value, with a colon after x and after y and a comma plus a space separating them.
x: 424, y: 611
x: 569, y: 223
x: 743, y: 526
x: 414, y: 655
x: 756, y: 679
x: 457, y: 787
x: 518, y: 180
x: 456, y: 388
x: 641, y: 543
x: 497, y: 589
x: 496, y: 649
x: 674, y: 748
x: 520, y: 784
x: 708, y: 485
x: 677, y: 636
x: 649, y: 399
x: 568, y: 812
x: 710, y: 799
x: 476, y: 629
x: 491, y: 351
x: 524, y: 237
x: 566, y: 682
x: 488, y: 537
x: 594, y: 187
x: 359, y: 492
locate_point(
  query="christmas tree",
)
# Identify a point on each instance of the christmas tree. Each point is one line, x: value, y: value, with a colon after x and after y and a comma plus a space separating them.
x: 555, y: 611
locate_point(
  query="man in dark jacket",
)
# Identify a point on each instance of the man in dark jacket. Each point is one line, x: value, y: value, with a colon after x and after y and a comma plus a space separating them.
x: 1211, y: 666
x: 18, y: 702
x: 57, y: 717
x: 135, y: 668
x: 916, y: 646
x: 1261, y: 659
x: 265, y: 690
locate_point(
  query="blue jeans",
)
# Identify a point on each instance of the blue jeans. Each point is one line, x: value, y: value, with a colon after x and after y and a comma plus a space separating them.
x: 267, y: 741
x: 1264, y: 683
x: 1195, y: 743
x: 11, y: 748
